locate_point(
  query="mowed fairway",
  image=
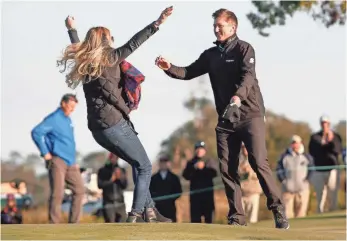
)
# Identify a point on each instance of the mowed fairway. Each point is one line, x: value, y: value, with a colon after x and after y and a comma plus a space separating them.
x: 330, y: 226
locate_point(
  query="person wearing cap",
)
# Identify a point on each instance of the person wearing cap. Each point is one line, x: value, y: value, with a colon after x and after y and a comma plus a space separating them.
x: 164, y: 184
x: 326, y: 147
x: 201, y: 171
x: 250, y: 187
x: 112, y: 179
x: 293, y: 171
x: 11, y: 214
x: 54, y: 137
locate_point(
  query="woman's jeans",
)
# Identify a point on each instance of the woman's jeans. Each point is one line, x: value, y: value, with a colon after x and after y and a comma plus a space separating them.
x: 121, y: 139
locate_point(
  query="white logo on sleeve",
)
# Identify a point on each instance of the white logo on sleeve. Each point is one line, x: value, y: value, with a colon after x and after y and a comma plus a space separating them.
x: 251, y: 60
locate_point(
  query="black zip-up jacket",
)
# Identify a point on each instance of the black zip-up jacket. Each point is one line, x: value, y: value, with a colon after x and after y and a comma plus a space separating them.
x: 200, y: 178
x: 112, y: 192
x: 106, y: 103
x: 325, y: 154
x: 231, y: 68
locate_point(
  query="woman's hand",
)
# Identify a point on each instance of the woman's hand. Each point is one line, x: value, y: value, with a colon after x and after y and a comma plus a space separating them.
x: 70, y: 22
x: 163, y: 16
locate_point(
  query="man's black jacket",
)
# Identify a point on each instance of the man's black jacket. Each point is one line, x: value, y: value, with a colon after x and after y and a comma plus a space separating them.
x: 112, y: 192
x: 325, y: 154
x: 160, y: 187
x: 231, y: 67
x: 201, y: 182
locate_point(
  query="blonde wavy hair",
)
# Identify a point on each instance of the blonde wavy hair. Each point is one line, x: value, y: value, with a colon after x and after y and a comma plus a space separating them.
x: 87, y: 60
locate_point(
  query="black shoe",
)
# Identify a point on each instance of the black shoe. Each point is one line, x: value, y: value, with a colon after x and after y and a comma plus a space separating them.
x: 152, y: 215
x: 134, y: 217
x: 234, y: 222
x: 281, y: 220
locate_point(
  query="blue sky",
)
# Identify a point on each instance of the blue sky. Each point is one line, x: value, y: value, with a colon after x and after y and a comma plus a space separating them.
x: 301, y: 67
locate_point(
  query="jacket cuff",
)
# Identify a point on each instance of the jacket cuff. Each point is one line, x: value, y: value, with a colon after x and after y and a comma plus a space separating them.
x: 154, y: 26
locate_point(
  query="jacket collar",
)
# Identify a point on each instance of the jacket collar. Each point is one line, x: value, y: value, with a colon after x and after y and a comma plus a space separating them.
x: 61, y: 112
x: 229, y: 42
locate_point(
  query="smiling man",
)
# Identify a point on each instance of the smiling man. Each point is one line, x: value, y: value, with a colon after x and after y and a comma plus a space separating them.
x: 241, y: 112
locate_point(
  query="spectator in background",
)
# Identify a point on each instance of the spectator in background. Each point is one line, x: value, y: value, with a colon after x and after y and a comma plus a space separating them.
x: 113, y: 181
x: 11, y: 214
x: 250, y: 187
x: 293, y: 171
x: 166, y: 183
x: 54, y: 137
x: 200, y: 172
x: 325, y: 147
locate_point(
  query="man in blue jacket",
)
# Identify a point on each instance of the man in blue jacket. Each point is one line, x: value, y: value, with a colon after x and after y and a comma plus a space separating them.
x: 55, y: 140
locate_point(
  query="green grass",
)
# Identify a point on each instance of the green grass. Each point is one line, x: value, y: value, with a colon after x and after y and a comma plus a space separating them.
x: 330, y: 226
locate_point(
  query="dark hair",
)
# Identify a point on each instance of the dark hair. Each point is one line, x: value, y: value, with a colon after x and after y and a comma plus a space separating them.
x: 229, y: 15
x: 68, y: 97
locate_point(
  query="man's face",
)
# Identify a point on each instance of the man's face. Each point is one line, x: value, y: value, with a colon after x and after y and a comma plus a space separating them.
x: 68, y: 107
x: 325, y: 125
x: 200, y: 152
x: 164, y: 165
x: 223, y: 29
x: 114, y: 159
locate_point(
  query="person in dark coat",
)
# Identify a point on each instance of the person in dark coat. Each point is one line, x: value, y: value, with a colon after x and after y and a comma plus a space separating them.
x: 231, y: 67
x: 166, y: 188
x: 326, y: 148
x: 112, y: 180
x: 200, y: 172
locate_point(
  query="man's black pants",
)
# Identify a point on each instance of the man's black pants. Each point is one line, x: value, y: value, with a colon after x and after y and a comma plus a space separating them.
x: 167, y: 208
x: 229, y: 138
x: 200, y: 209
x: 114, y: 213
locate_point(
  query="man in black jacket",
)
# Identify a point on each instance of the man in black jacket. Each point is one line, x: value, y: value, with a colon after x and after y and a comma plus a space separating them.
x: 200, y: 172
x: 240, y: 107
x: 112, y: 180
x: 325, y: 147
x: 165, y: 183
